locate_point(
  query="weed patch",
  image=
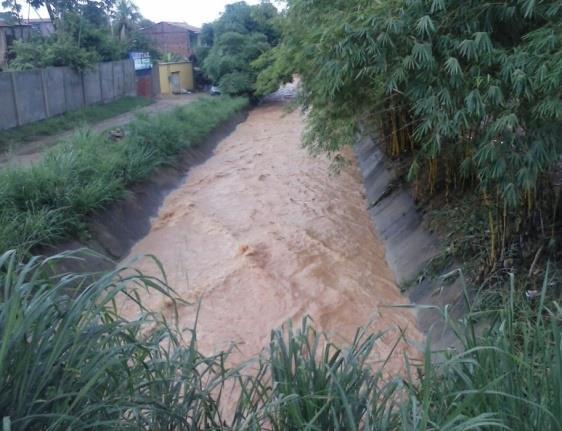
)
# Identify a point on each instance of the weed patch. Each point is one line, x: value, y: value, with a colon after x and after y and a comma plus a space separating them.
x: 50, y: 201
x: 68, y: 360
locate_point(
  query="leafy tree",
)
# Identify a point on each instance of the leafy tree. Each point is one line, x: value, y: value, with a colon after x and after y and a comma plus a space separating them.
x: 82, y: 38
x: 273, y: 71
x: 94, y: 13
x: 39, y: 54
x: 13, y: 13
x: 57, y: 9
x: 232, y: 44
x: 207, y: 36
x: 469, y: 91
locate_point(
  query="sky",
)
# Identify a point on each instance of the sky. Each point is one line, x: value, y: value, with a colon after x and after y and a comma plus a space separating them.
x: 194, y: 12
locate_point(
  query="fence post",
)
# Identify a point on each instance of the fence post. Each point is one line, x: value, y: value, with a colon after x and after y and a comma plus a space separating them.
x: 102, y: 100
x: 16, y: 100
x: 64, y: 89
x: 113, y: 79
x: 45, y: 95
x: 82, y: 83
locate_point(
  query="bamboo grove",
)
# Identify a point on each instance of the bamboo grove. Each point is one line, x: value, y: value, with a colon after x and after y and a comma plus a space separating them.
x: 466, y: 91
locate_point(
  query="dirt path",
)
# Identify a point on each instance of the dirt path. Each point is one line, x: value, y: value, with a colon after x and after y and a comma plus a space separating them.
x: 262, y: 233
x: 31, y: 152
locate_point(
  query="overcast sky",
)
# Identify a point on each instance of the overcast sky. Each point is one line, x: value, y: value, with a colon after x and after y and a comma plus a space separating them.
x: 194, y: 12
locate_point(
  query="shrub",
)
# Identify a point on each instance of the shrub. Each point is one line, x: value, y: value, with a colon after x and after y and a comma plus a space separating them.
x: 69, y: 360
x: 466, y: 92
x: 52, y: 199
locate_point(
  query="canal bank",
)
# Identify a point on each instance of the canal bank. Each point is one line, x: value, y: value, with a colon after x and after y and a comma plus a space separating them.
x: 261, y: 233
x: 409, y: 246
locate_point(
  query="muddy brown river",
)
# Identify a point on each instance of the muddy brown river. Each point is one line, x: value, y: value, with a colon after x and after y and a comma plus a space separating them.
x: 262, y: 233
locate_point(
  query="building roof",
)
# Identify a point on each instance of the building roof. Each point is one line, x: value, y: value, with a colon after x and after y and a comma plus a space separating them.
x: 7, y: 24
x: 186, y: 26
x: 38, y: 21
x: 182, y: 25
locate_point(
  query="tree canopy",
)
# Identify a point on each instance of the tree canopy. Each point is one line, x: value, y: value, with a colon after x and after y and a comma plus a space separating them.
x: 86, y: 32
x: 467, y: 91
x: 232, y: 44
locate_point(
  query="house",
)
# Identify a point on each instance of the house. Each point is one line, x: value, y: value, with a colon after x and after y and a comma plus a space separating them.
x: 176, y: 77
x: 173, y: 37
x: 42, y: 26
x: 8, y: 34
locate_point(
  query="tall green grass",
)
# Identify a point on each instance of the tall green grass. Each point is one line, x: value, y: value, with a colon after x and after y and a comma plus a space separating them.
x: 45, y: 203
x: 305, y: 382
x: 69, y: 361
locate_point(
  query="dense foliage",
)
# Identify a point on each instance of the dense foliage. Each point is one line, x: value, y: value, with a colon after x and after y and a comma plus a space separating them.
x: 77, y: 43
x: 71, y: 361
x: 234, y: 42
x: 467, y: 91
x: 49, y: 201
x: 86, y: 32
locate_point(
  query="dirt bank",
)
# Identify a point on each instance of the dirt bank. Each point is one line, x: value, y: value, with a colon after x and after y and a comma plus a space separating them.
x: 262, y: 233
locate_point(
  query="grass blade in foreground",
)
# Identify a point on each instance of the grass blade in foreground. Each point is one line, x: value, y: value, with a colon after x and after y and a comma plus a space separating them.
x: 68, y: 361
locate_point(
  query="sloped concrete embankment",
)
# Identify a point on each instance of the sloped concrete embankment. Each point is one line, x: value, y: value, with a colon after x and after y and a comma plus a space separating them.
x: 114, y: 231
x: 408, y: 245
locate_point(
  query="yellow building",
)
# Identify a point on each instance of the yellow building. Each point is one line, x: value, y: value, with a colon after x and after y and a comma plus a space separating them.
x: 176, y: 78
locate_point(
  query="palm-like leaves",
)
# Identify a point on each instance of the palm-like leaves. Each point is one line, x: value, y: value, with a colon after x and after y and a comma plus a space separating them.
x: 126, y: 17
x: 469, y: 90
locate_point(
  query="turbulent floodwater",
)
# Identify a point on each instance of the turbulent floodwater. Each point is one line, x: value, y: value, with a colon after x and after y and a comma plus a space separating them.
x: 262, y: 233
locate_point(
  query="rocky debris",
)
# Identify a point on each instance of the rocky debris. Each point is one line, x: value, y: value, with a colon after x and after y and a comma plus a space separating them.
x: 116, y: 134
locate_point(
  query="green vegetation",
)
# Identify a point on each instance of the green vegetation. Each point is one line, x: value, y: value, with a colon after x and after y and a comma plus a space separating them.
x: 89, y: 115
x: 505, y: 376
x: 466, y: 92
x: 86, y: 32
x: 50, y: 201
x: 68, y: 360
x: 237, y: 46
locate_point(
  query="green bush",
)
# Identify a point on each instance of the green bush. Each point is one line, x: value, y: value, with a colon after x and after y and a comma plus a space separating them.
x: 465, y: 93
x: 69, y: 361
x: 239, y: 37
x: 80, y: 40
x: 306, y: 382
x: 52, y: 199
x: 236, y: 83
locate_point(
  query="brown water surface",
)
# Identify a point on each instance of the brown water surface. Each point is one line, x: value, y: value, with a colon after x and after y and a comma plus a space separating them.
x: 262, y: 233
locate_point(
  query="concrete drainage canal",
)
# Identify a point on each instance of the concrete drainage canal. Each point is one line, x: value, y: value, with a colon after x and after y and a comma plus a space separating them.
x: 258, y: 232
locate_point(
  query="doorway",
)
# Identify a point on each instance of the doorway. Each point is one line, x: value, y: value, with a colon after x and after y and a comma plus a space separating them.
x: 175, y: 82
